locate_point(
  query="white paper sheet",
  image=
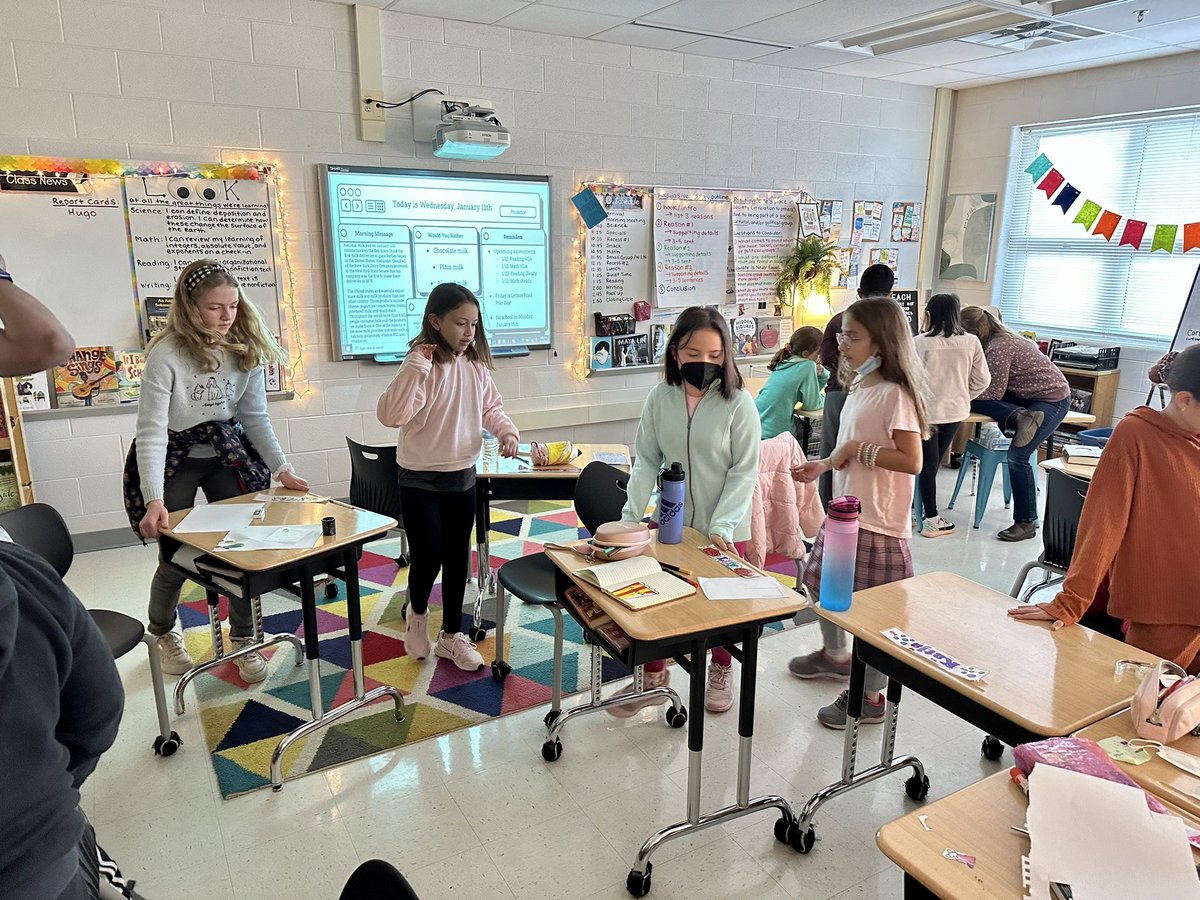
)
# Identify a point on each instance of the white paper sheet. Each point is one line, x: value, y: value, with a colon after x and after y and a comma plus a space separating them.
x: 271, y: 537
x: 1100, y: 838
x: 219, y: 517
x: 757, y: 587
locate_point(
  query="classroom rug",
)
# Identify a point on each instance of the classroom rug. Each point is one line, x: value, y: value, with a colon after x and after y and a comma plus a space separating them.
x: 243, y: 723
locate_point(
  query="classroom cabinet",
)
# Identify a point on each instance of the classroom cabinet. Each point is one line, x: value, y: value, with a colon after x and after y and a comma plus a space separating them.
x: 16, y: 484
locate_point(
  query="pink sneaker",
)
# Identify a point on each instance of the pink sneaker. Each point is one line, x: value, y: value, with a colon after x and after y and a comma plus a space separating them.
x: 718, y: 695
x: 649, y: 680
x: 416, y: 634
x: 458, y: 649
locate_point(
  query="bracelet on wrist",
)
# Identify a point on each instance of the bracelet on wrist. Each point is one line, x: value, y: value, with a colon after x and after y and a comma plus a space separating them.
x: 867, y: 454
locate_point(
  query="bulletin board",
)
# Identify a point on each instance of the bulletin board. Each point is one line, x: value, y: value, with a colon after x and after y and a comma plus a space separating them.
x: 101, y: 242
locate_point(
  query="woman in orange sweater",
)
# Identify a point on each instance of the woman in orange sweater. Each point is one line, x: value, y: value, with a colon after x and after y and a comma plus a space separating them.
x: 1138, y: 525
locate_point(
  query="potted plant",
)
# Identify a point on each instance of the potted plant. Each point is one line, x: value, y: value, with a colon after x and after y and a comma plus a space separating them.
x: 808, y: 267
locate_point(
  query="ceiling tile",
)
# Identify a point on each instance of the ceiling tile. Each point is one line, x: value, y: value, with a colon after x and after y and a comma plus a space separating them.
x: 810, y: 58
x: 934, y: 77
x: 637, y: 36
x: 872, y: 67
x: 729, y: 49
x: 1098, y: 48
x: 1081, y: 65
x: 1121, y: 16
x: 722, y: 16
x: 947, y: 53
x: 1182, y: 32
x: 830, y: 18
x: 557, y: 20
x: 464, y: 10
x: 629, y: 9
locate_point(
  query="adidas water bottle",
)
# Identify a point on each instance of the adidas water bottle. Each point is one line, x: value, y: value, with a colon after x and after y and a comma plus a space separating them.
x: 841, y: 549
x: 670, y: 505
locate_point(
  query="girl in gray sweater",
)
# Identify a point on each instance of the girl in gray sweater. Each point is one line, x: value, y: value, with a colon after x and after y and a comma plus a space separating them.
x: 203, y: 425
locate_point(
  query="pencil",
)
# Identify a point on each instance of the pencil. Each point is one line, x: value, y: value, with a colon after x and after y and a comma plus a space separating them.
x: 339, y: 503
x: 678, y: 570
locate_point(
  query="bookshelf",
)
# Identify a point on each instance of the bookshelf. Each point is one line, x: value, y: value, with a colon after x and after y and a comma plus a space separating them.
x: 12, y: 444
x: 1102, y: 386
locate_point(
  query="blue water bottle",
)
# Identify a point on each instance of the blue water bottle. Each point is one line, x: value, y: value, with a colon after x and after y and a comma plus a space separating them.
x: 670, y: 505
x: 841, y: 549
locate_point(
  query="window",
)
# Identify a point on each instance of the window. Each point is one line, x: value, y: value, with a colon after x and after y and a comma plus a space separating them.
x: 1057, y: 277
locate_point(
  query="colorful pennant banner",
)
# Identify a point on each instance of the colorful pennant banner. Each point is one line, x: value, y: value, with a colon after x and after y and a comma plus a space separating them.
x: 1103, y: 222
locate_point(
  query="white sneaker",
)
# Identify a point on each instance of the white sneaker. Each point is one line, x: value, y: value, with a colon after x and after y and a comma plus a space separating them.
x: 173, y: 654
x: 936, y: 527
x: 416, y: 634
x: 253, y: 666
x: 458, y: 649
x: 718, y: 695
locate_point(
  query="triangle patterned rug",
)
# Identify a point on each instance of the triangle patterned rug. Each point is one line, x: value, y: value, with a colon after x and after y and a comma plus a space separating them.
x: 243, y: 723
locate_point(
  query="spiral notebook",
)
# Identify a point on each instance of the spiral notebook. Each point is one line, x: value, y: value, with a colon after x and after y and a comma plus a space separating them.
x: 638, y: 582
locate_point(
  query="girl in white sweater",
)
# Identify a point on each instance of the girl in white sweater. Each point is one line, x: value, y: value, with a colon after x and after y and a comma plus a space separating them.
x: 203, y: 425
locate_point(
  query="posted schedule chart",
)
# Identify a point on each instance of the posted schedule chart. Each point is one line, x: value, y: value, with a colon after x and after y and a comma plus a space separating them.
x: 394, y: 235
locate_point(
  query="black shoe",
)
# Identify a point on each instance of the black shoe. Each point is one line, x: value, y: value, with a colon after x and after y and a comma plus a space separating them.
x: 1018, y: 531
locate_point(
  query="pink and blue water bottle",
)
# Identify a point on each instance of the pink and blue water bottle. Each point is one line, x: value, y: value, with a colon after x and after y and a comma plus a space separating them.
x: 841, y: 550
x: 670, y: 505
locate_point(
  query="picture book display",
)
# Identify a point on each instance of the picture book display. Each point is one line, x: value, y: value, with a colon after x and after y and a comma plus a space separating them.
x: 130, y: 366
x: 89, y: 378
x: 34, y: 392
x: 639, y: 582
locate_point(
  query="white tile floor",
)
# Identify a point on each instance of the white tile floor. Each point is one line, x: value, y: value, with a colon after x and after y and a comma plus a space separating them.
x: 478, y: 814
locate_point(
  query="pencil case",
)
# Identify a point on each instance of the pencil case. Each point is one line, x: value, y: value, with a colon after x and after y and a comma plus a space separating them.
x: 555, y: 453
x: 1166, y: 705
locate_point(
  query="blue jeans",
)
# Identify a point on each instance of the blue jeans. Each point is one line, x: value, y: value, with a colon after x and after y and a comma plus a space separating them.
x: 1020, y: 469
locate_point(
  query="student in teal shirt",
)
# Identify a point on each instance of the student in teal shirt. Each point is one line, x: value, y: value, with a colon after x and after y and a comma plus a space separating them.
x: 796, y: 377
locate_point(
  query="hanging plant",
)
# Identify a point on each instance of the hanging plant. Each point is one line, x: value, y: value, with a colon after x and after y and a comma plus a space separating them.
x: 811, y: 263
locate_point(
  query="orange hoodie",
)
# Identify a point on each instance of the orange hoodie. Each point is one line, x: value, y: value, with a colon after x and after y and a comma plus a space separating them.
x: 1139, y: 525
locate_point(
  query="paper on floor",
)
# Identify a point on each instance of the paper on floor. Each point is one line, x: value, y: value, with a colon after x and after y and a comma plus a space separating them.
x: 219, y: 517
x: 1100, y: 838
x: 757, y: 587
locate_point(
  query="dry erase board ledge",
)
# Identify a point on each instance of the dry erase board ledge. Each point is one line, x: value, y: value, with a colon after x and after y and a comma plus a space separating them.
x: 657, y: 367
x: 73, y: 412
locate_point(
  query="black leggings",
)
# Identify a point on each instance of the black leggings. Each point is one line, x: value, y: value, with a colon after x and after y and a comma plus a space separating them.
x: 933, y: 449
x: 438, y: 526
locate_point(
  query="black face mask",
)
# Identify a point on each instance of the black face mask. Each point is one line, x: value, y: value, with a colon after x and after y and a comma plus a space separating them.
x: 701, y: 374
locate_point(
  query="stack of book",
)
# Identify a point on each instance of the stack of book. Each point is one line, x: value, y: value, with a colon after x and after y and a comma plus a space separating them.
x: 1082, y: 455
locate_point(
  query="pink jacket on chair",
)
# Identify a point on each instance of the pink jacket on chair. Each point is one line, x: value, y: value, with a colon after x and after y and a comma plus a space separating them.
x: 782, y: 511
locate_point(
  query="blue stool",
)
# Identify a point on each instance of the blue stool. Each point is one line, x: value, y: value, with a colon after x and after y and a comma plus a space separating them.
x: 987, y: 460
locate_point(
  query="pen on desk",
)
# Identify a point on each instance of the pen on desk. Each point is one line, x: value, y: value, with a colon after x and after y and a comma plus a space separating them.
x: 339, y: 503
x: 678, y: 570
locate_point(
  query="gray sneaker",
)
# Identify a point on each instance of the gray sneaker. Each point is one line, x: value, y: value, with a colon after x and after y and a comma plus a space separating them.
x: 818, y: 664
x: 1027, y: 424
x: 834, y: 715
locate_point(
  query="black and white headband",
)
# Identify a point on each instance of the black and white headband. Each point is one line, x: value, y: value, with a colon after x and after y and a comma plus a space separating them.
x: 198, y: 275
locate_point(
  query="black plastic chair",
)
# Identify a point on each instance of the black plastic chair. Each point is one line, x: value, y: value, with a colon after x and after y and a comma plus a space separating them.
x: 377, y: 879
x: 40, y: 528
x: 375, y: 486
x: 1064, y: 505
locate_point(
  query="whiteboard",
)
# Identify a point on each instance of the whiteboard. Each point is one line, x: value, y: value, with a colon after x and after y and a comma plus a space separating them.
x: 1188, y: 332
x: 92, y: 248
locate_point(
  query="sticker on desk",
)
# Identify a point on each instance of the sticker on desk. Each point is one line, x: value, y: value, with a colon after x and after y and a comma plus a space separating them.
x: 737, y: 567
x: 947, y: 662
x: 965, y: 858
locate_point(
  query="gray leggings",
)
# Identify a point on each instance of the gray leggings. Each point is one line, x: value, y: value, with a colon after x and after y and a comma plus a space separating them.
x: 217, y: 481
x: 835, y: 641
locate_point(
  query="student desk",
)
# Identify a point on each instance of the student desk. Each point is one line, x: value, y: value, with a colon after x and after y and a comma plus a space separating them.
x: 1041, y: 683
x: 972, y: 421
x: 1061, y: 465
x: 1173, y: 785
x: 685, y: 629
x: 257, y: 572
x: 511, y: 479
x: 976, y: 820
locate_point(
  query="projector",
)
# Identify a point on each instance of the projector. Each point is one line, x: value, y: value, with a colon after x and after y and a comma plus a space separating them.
x: 467, y: 139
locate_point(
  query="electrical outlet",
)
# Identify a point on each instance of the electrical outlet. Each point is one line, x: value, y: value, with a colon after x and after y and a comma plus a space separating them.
x: 371, y: 112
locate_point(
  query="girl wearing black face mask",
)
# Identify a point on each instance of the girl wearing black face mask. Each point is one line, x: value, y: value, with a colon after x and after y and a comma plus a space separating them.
x: 700, y: 416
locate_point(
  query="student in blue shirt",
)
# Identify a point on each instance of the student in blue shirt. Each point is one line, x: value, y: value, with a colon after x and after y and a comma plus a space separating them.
x: 797, y: 376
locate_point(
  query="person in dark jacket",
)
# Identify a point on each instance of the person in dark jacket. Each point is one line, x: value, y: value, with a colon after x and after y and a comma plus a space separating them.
x: 60, y: 705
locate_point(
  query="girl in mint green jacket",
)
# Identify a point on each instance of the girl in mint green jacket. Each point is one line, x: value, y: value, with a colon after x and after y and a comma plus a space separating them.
x: 797, y: 377
x: 700, y: 416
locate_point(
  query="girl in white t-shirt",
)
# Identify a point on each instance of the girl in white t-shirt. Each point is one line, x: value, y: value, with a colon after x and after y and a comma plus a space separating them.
x: 877, y: 455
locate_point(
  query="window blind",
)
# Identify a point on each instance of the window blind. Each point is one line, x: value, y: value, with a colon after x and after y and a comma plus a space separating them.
x: 1054, y: 276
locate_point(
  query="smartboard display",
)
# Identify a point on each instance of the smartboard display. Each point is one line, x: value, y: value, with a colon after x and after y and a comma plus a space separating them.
x: 392, y: 235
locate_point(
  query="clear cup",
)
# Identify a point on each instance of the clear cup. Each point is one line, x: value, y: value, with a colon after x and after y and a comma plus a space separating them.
x: 1132, y: 667
x: 491, y: 448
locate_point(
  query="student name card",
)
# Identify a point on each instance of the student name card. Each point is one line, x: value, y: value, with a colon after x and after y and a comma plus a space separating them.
x: 945, y: 660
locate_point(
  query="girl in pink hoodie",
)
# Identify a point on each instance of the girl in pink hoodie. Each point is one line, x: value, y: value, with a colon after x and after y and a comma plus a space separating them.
x: 442, y: 399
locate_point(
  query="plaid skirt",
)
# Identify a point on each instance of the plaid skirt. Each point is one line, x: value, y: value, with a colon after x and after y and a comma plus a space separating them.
x: 880, y: 559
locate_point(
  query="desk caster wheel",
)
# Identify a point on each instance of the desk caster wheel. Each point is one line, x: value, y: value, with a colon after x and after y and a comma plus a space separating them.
x: 788, y: 832
x: 551, y: 717
x: 477, y: 633
x: 917, y: 788
x: 992, y: 748
x: 331, y: 590
x: 167, y: 746
x: 552, y: 750
x: 500, y: 671
x: 638, y: 884
x: 402, y: 561
x: 676, y: 718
